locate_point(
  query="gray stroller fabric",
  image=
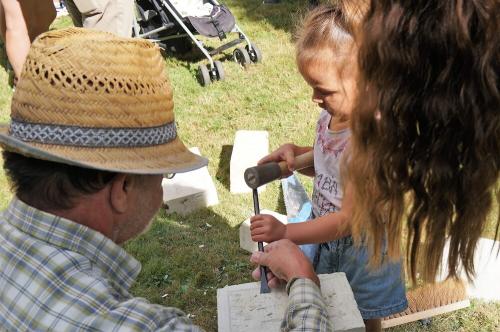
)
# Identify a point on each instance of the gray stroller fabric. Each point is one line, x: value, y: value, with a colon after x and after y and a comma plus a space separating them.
x: 216, y: 24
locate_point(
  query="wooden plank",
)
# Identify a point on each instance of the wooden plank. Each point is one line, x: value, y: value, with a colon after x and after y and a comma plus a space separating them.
x: 425, y: 314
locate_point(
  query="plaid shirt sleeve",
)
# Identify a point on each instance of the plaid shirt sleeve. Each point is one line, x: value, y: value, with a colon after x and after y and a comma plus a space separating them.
x: 57, y: 275
x: 306, y: 309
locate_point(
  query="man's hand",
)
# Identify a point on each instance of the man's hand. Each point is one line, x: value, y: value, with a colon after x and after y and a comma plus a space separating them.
x: 285, y: 260
x: 266, y: 228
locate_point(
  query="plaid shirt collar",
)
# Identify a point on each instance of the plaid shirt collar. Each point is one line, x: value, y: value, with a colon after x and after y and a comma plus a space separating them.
x: 56, y: 231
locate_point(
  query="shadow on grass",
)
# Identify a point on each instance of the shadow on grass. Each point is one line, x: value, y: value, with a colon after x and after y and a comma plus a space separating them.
x: 193, y: 55
x: 185, y: 260
x: 283, y: 16
x: 222, y: 174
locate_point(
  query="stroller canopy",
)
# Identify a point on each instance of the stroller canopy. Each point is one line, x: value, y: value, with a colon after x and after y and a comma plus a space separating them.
x: 206, y: 17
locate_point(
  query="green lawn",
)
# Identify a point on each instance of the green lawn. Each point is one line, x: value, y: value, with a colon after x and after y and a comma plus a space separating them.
x: 269, y: 96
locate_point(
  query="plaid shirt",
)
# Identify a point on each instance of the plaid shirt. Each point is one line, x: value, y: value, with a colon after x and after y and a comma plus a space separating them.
x: 58, y: 275
x: 306, y: 308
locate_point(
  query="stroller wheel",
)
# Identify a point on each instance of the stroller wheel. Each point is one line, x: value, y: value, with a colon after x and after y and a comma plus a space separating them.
x: 219, y: 71
x: 203, y: 75
x: 254, y: 53
x: 240, y: 55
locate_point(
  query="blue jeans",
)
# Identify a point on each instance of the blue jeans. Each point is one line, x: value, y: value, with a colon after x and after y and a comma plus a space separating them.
x: 379, y: 292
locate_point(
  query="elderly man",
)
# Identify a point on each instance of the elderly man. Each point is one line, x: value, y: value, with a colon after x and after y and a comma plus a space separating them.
x: 92, y: 132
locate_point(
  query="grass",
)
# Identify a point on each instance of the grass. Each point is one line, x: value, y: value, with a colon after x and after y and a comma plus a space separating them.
x: 269, y: 96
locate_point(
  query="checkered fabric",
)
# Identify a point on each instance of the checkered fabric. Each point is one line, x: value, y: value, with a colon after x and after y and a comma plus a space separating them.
x: 306, y: 308
x: 57, y: 275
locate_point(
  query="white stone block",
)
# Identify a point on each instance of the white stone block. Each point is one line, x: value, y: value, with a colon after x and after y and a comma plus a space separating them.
x: 246, y: 242
x: 487, y: 267
x: 241, y: 308
x: 248, y: 148
x: 190, y: 191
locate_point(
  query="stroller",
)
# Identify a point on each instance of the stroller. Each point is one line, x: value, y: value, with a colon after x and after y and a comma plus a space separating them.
x: 173, y: 24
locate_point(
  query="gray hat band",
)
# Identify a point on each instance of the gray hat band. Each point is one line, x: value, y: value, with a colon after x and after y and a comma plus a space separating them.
x: 92, y: 137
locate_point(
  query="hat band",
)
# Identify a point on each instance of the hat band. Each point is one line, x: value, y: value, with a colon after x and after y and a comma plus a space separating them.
x: 92, y: 137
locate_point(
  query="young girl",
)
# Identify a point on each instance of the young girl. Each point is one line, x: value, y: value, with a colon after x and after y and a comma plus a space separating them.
x: 326, y: 58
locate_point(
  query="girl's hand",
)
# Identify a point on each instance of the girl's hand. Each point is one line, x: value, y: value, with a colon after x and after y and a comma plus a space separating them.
x: 286, y: 153
x: 266, y: 228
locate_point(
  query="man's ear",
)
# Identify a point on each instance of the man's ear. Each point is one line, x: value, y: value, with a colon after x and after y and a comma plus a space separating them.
x: 121, y: 187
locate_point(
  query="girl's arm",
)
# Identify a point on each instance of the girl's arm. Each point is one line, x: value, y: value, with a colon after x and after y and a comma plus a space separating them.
x: 329, y: 227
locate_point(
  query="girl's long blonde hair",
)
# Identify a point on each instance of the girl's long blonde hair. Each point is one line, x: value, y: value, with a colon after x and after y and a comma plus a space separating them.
x: 426, y: 132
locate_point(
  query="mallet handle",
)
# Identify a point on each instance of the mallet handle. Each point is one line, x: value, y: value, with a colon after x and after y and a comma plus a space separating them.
x: 259, y: 175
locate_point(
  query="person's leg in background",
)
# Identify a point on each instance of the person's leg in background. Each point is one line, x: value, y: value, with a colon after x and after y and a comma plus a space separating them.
x: 16, y: 37
x: 4, y: 61
x: 74, y: 13
x: 21, y: 23
x: 373, y: 325
x: 115, y: 16
x: 39, y: 15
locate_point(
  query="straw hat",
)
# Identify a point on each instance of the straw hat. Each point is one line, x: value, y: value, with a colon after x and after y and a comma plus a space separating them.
x: 94, y: 100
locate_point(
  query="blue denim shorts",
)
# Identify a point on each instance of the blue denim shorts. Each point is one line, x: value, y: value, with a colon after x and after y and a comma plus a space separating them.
x: 378, y: 293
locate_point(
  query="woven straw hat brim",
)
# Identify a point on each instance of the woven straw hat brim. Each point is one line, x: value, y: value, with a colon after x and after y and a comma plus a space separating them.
x: 172, y: 157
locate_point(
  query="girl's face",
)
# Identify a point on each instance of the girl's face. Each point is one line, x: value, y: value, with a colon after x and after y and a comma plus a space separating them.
x: 333, y: 83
